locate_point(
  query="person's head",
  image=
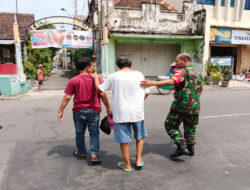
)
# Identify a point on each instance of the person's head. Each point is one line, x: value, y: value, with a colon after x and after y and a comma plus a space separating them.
x: 84, y: 63
x: 183, y: 60
x: 123, y: 61
x: 40, y: 66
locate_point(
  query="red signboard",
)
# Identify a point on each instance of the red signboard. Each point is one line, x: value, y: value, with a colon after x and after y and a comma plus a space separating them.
x: 8, y: 69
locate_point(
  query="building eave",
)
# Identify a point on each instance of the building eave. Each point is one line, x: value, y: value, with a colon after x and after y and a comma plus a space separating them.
x: 154, y: 36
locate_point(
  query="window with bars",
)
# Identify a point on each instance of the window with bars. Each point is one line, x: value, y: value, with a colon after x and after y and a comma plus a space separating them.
x: 232, y: 3
x: 206, y: 2
x: 212, y: 2
x: 247, y: 5
x: 222, y: 3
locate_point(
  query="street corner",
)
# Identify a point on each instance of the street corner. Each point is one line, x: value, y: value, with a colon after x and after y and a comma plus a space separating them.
x: 16, y: 97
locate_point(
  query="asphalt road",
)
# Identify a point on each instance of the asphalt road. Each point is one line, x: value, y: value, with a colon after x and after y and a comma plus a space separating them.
x: 36, y: 149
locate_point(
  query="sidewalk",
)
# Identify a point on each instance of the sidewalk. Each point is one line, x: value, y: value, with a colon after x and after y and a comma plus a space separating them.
x: 55, y: 85
x: 239, y: 84
x: 233, y: 84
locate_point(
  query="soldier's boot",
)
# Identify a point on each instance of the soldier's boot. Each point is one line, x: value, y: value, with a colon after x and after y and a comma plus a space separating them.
x: 190, y: 148
x: 181, y: 150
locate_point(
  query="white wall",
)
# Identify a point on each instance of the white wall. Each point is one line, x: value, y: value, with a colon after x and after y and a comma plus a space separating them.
x: 225, y: 20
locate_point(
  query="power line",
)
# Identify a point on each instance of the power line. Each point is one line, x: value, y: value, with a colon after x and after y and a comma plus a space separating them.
x: 83, y: 7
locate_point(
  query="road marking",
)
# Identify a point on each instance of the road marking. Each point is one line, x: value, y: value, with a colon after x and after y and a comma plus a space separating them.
x: 229, y: 115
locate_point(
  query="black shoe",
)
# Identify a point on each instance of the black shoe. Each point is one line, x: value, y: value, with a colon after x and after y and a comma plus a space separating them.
x: 181, y: 150
x: 190, y: 148
x: 1, y: 126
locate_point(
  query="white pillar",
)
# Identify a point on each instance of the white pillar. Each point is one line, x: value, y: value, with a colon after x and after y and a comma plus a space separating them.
x: 18, y: 48
x: 19, y: 58
x: 227, y: 5
x: 218, y: 9
x: 242, y: 5
x: 236, y: 10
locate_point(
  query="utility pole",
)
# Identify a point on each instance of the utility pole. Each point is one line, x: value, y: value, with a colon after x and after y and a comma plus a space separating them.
x: 76, y: 8
x: 16, y: 7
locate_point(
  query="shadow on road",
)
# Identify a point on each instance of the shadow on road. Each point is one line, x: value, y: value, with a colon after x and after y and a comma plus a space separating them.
x: 62, y: 150
x: 66, y: 74
x: 67, y: 151
x: 163, y: 150
x: 110, y: 160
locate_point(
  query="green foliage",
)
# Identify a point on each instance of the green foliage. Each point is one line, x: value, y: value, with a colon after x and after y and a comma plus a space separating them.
x: 36, y: 57
x: 74, y: 71
x: 206, y: 82
x: 208, y: 68
x: 226, y: 73
x: 79, y: 53
x: 212, y: 67
x: 216, y: 75
x: 216, y: 67
x: 29, y: 70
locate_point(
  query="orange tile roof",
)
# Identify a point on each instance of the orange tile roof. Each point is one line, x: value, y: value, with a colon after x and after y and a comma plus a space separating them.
x: 6, y: 25
x: 137, y: 4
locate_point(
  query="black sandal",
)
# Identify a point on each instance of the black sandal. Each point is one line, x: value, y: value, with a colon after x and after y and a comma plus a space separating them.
x: 78, y: 155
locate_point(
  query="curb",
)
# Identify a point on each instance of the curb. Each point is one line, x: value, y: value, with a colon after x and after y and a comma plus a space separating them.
x: 17, y: 97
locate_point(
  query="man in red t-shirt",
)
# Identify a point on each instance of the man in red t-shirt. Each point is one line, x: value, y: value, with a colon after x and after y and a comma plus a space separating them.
x: 86, y: 109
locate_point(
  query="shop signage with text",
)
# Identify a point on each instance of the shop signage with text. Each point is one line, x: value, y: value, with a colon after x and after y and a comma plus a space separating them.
x: 241, y: 37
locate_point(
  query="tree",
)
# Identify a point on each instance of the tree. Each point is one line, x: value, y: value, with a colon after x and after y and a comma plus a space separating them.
x: 82, y: 53
x: 77, y: 55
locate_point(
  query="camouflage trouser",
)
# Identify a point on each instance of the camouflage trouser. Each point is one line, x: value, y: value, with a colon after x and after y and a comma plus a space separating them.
x: 173, y: 121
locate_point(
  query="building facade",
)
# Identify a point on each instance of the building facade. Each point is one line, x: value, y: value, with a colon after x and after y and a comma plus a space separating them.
x: 227, y: 31
x: 12, y: 82
x: 151, y: 32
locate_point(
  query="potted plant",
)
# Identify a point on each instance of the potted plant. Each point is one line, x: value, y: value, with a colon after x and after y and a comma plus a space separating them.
x: 216, y: 77
x: 208, y: 77
x: 226, y: 76
x: 212, y: 68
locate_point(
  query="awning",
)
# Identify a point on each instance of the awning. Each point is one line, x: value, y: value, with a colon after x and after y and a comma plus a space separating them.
x: 154, y: 36
x: 7, y: 42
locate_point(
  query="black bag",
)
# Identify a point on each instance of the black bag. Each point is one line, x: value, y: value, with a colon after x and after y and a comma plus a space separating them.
x: 105, y: 126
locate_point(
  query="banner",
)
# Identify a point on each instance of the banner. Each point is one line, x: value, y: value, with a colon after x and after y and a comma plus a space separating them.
x: 220, y: 35
x: 228, y: 61
x: 61, y: 39
x: 77, y: 39
x: 223, y: 61
x: 241, y: 37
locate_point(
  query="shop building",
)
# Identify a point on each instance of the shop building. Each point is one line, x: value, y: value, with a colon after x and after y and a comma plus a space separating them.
x: 152, y: 33
x: 12, y: 80
x: 227, y: 31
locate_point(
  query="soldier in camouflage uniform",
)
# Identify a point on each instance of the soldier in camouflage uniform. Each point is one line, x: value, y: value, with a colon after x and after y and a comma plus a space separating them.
x: 186, y: 105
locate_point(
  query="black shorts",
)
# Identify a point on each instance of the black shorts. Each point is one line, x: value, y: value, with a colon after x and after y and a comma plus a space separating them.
x: 40, y: 82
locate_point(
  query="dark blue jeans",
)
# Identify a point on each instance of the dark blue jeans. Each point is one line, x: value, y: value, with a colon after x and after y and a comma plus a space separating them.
x: 87, y: 118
